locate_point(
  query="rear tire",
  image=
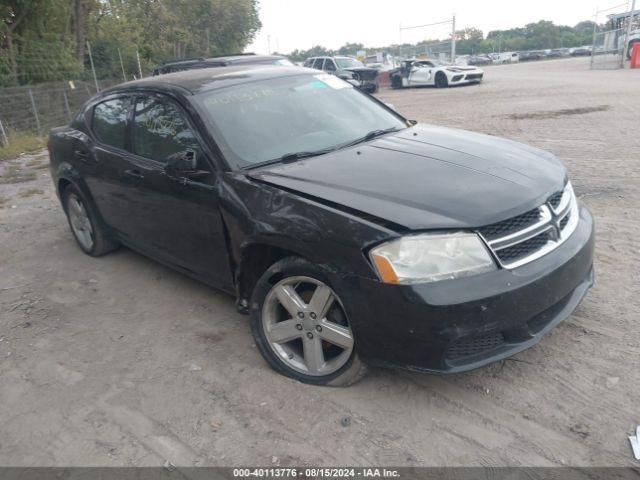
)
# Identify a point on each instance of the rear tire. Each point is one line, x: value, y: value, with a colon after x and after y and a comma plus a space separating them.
x: 396, y: 81
x: 312, y: 345
x: 89, y: 233
x: 441, y: 80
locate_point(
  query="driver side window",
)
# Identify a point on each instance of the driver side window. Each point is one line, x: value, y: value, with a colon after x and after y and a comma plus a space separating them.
x: 160, y: 130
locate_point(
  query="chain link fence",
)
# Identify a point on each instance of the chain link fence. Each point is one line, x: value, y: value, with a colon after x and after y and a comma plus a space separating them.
x: 46, y: 92
x: 611, y: 37
x: 607, y: 49
x: 38, y: 108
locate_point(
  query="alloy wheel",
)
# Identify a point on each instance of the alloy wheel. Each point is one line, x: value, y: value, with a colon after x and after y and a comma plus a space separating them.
x: 80, y: 222
x: 306, y: 326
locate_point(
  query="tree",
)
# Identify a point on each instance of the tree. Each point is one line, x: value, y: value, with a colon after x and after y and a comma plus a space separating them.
x: 43, y: 40
x: 350, y: 49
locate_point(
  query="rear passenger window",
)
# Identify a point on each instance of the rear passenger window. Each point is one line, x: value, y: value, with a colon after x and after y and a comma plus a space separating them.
x: 110, y: 121
x: 329, y: 66
x: 317, y: 64
x: 160, y: 129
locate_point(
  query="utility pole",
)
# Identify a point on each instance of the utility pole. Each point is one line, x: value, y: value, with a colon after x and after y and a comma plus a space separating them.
x: 269, y: 44
x: 93, y: 68
x: 453, y: 39
x: 593, y: 40
x: 625, y: 48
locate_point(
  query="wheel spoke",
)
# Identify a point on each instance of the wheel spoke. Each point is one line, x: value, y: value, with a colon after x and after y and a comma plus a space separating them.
x: 283, y: 332
x: 77, y: 208
x: 289, y: 299
x: 336, y: 334
x: 313, y: 354
x: 321, y: 301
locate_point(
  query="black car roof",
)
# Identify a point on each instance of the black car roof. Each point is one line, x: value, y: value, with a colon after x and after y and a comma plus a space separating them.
x: 196, y: 81
x: 237, y: 58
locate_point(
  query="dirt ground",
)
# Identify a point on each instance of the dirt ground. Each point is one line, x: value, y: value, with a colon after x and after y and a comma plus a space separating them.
x: 120, y: 361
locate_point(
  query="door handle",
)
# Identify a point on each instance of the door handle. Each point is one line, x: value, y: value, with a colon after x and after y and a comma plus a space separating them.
x: 134, y: 173
x: 82, y: 155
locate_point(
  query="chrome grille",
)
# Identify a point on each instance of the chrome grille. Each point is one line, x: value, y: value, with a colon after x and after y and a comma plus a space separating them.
x: 554, y: 200
x: 511, y: 225
x: 523, y: 249
x: 521, y: 239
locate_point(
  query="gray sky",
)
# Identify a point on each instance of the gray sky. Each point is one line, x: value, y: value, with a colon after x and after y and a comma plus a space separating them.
x: 301, y: 24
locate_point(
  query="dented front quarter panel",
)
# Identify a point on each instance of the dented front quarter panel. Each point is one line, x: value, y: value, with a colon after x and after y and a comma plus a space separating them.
x: 256, y: 213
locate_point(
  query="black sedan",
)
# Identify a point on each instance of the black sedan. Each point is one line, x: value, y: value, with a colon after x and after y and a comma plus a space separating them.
x: 351, y: 235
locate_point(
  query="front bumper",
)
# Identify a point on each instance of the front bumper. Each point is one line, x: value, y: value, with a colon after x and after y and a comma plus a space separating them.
x: 463, y: 78
x: 463, y: 324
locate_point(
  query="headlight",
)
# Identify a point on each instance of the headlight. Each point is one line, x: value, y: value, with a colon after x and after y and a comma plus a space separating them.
x: 428, y: 258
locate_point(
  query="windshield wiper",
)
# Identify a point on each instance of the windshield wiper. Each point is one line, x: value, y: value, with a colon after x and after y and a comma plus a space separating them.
x: 290, y: 157
x: 294, y: 156
x: 371, y: 135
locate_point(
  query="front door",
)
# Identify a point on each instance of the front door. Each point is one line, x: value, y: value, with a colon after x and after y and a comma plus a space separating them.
x: 175, y: 219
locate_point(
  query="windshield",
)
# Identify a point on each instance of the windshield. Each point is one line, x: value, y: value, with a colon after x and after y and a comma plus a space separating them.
x: 348, y: 63
x: 261, y: 121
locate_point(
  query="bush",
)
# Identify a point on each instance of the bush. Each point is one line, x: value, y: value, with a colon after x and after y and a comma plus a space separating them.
x: 20, y: 143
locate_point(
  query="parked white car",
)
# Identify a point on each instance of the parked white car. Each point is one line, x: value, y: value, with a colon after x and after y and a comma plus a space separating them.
x: 413, y: 73
x: 505, y: 57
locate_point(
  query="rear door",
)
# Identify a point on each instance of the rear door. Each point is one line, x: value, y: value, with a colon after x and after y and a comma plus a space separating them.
x: 102, y: 159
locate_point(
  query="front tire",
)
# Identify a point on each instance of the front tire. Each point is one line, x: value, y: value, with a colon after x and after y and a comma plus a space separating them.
x: 441, y: 80
x: 301, y: 327
x: 90, y: 234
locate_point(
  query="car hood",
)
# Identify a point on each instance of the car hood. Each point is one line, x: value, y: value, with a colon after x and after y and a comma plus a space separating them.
x: 426, y: 177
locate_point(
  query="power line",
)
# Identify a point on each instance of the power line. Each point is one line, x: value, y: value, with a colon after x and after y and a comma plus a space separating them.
x: 426, y: 25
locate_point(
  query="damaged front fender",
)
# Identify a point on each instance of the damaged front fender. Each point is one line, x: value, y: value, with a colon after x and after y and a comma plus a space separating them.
x: 265, y: 223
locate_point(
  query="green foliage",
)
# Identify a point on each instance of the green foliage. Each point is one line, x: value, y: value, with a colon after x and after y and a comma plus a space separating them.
x: 44, y: 40
x: 20, y: 143
x: 534, y: 36
x: 317, y: 51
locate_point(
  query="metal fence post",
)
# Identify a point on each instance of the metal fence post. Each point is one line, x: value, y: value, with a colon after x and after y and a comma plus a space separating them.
x: 627, y: 34
x: 35, y: 110
x: 4, y: 134
x: 139, y: 66
x: 66, y: 101
x: 93, y: 68
x: 593, y: 41
x: 124, y: 76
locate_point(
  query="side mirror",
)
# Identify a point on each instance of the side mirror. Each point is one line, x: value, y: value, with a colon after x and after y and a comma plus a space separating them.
x: 182, y: 162
x: 184, y: 165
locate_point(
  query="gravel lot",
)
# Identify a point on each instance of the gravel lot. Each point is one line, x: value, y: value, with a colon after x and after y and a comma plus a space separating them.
x: 120, y: 361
